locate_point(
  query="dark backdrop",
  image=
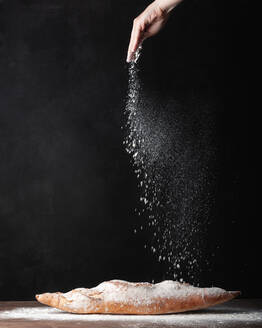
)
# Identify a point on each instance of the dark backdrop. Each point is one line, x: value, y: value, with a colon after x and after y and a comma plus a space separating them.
x: 67, y: 188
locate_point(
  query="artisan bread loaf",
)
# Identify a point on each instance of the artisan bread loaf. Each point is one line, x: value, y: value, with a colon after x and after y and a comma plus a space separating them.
x: 122, y: 297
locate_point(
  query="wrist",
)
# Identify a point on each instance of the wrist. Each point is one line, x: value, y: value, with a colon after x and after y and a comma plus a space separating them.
x: 167, y: 5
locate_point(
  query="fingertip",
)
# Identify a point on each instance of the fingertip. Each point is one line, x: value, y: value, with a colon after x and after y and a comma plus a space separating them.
x: 129, y: 56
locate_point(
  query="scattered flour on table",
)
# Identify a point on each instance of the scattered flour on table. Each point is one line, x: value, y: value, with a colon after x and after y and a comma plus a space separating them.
x: 171, y: 152
x: 218, y: 314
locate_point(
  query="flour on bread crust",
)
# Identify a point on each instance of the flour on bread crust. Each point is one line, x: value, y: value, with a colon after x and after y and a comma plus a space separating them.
x: 122, y: 297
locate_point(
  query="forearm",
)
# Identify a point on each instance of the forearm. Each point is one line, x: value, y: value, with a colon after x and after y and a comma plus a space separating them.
x: 167, y: 5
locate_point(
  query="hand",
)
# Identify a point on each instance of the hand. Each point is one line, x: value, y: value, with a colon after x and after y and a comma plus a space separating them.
x: 147, y: 24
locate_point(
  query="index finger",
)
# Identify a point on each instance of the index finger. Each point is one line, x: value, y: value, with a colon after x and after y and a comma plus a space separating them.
x: 135, y: 40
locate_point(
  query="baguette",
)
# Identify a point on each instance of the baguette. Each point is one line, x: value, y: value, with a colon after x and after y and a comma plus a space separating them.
x: 122, y: 297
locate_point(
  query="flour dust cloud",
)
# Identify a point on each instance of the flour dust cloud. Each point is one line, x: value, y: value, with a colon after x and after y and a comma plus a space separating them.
x: 171, y: 154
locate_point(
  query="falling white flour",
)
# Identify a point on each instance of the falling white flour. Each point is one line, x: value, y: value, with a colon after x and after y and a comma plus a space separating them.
x: 170, y: 153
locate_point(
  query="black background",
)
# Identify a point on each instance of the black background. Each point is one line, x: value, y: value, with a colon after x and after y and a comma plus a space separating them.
x: 67, y: 188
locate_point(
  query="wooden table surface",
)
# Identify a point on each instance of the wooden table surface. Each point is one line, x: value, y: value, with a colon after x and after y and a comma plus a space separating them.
x: 239, y: 313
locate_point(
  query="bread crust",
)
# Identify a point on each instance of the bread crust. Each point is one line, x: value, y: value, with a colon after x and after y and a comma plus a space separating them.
x: 122, y: 297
